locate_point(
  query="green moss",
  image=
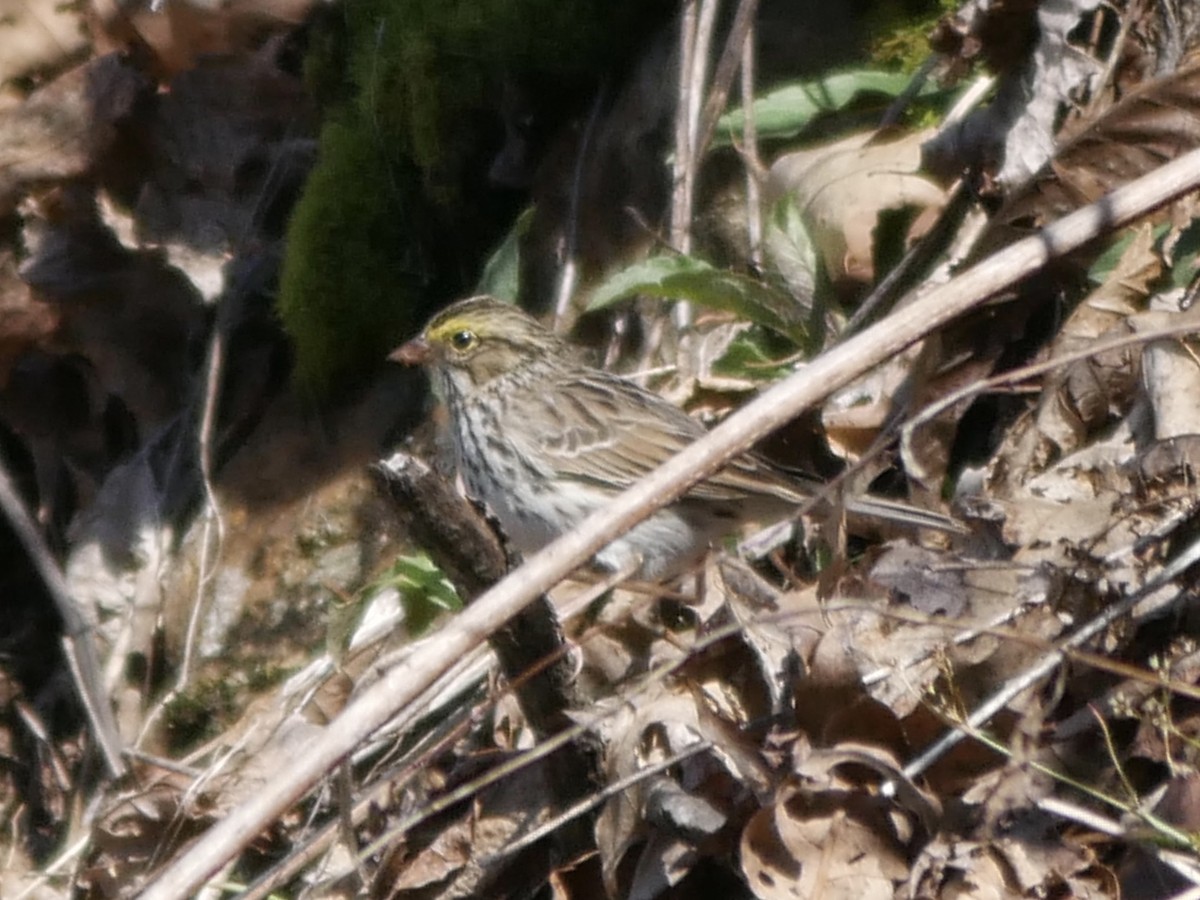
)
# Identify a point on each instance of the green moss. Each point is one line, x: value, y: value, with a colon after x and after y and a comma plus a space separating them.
x: 397, y: 217
x: 353, y: 273
x: 903, y: 30
x: 199, y: 713
x: 265, y: 675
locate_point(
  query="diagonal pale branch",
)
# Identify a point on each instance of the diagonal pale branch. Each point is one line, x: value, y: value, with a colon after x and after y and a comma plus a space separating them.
x: 827, y: 373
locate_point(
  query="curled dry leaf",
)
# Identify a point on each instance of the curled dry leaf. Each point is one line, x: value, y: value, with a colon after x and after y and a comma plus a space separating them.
x: 671, y: 815
x: 854, y: 417
x: 829, y: 837
x: 775, y: 644
x: 842, y: 190
x: 659, y: 723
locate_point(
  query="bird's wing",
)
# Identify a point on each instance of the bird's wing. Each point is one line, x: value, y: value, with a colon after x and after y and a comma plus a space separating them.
x: 608, y: 431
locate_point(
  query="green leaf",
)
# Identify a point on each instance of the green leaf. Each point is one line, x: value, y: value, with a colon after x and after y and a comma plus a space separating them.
x: 424, y: 590
x: 786, y: 111
x: 1185, y: 256
x: 1101, y: 270
x: 789, y: 249
x: 502, y: 272
x: 756, y: 355
x: 680, y: 277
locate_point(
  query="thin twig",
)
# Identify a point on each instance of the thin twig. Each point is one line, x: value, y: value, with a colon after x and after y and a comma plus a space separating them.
x: 544, y: 748
x: 680, y: 163
x: 946, y: 232
x: 1088, y: 818
x: 916, y: 259
x: 701, y: 122
x: 896, y: 108
x: 210, y: 543
x: 472, y: 787
x: 749, y: 153
x: 737, y: 45
x: 701, y: 56
x: 695, y: 42
x: 1105, y: 78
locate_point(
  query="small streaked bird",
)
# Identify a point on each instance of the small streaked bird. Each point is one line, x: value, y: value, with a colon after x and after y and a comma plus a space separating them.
x: 544, y: 440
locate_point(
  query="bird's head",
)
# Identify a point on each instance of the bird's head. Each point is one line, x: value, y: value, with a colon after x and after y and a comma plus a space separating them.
x: 473, y: 341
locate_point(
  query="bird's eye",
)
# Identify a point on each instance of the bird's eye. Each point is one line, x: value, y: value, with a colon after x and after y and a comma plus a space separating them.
x: 463, y: 340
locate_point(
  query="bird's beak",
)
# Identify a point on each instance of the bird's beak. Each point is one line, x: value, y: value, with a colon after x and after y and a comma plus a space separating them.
x: 414, y: 353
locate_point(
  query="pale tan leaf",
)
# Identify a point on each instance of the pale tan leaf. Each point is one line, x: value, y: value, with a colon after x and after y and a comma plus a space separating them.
x: 842, y: 190
x: 38, y: 35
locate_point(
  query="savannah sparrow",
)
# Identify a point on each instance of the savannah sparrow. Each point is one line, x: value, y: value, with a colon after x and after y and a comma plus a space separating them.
x: 544, y: 439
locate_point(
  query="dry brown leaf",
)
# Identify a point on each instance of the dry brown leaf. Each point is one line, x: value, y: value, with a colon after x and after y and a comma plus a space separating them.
x: 657, y: 723
x: 922, y: 579
x: 729, y: 676
x: 1010, y: 793
x: 778, y: 643
x: 669, y: 816
x: 138, y: 830
x: 1156, y: 122
x: 770, y: 870
x: 869, y: 765
x: 903, y: 648
x: 853, y: 418
x: 1010, y: 868
x: 831, y: 844
x: 1049, y: 527
x: 462, y: 857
